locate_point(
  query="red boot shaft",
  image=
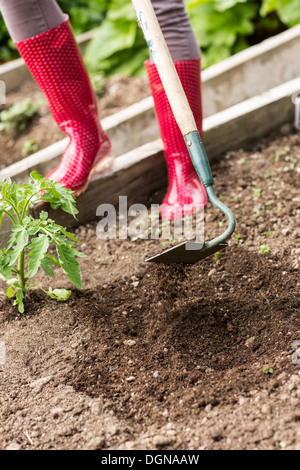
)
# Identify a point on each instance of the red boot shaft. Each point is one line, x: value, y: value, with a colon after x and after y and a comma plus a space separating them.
x: 185, y: 188
x: 56, y: 64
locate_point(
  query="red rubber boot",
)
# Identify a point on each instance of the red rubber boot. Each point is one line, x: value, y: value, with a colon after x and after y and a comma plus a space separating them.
x: 185, y: 187
x: 56, y: 64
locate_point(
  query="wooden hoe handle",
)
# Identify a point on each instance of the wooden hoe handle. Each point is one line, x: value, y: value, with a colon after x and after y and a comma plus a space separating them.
x: 165, y: 66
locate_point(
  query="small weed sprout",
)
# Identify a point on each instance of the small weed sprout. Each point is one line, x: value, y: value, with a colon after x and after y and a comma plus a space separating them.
x: 218, y: 256
x: 264, y: 249
x: 238, y: 239
x: 257, y: 192
x: 19, y: 115
x: 30, y: 146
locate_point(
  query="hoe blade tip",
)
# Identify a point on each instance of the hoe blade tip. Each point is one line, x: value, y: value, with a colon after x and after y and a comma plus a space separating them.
x: 186, y: 253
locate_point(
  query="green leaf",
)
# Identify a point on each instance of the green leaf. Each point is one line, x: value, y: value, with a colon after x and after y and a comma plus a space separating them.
x: 10, y: 292
x: 19, y: 114
x: 268, y: 370
x: 36, y: 176
x: 33, y: 230
x: 21, y: 240
x: 222, y: 5
x: 30, y: 146
x: 117, y: 33
x: 66, y: 233
x: 19, y: 300
x: 5, y: 269
x: 289, y: 12
x: 43, y: 215
x: 46, y: 265
x: 39, y: 246
x: 268, y: 6
x: 69, y: 264
x: 4, y: 186
x: 125, y: 48
x: 59, y: 294
x: 55, y: 193
x: 79, y: 254
x: 53, y: 260
x: 67, y: 205
x: 5, y: 273
x: 264, y: 249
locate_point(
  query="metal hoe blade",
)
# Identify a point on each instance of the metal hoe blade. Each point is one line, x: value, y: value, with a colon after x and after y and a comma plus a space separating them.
x: 186, y: 253
x: 192, y: 252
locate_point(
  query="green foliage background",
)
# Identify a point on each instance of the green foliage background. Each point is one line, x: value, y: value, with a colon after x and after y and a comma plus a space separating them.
x: 222, y: 27
x: 84, y: 15
x: 225, y: 27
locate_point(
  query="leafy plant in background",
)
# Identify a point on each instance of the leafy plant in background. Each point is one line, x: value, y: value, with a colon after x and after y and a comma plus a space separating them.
x: 30, y: 239
x: 29, y: 146
x: 118, y: 46
x: 287, y: 10
x: 222, y: 27
x: 8, y: 50
x: 225, y: 27
x: 19, y: 114
x: 84, y: 14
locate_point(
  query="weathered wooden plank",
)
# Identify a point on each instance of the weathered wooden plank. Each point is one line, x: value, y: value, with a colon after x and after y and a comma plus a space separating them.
x: 251, y: 72
x: 241, y: 124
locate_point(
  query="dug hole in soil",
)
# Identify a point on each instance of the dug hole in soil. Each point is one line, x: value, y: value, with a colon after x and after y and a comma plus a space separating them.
x: 170, y: 357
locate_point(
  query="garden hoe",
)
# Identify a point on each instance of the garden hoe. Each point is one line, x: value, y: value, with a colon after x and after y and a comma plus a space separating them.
x: 186, y: 252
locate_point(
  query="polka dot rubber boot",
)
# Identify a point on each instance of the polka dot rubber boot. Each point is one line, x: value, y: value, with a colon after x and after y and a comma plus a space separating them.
x: 185, y: 192
x: 56, y: 64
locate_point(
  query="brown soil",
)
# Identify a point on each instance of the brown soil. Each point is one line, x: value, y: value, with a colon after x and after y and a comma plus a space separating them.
x: 170, y: 357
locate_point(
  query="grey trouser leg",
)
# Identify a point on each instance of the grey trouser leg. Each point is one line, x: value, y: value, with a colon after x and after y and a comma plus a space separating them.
x: 27, y: 18
x: 177, y: 29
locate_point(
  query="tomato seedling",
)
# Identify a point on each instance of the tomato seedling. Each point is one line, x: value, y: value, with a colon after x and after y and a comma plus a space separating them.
x: 30, y: 239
